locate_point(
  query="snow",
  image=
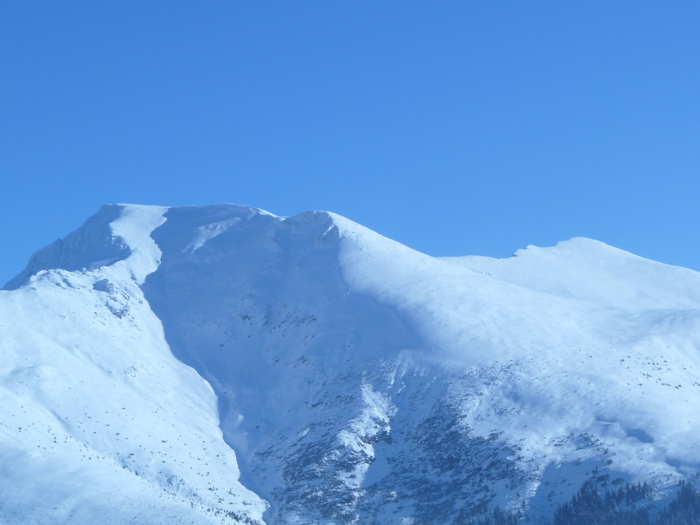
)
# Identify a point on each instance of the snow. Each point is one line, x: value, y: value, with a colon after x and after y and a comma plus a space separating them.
x: 98, y: 417
x: 134, y: 227
x: 591, y: 270
x: 346, y: 375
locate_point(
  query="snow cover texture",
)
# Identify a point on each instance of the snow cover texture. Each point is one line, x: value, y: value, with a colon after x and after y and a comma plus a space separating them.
x: 220, y: 364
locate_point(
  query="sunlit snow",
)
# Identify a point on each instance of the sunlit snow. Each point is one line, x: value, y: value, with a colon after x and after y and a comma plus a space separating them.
x: 151, y: 354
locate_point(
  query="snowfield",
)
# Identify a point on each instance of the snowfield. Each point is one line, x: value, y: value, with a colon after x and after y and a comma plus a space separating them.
x: 221, y: 364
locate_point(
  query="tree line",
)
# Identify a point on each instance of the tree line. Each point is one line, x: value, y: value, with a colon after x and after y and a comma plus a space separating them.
x: 591, y: 506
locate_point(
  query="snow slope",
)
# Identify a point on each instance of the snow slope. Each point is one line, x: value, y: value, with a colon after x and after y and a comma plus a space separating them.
x: 98, y: 418
x: 357, y: 380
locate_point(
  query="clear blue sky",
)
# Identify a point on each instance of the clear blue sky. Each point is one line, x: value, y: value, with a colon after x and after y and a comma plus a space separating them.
x: 455, y: 127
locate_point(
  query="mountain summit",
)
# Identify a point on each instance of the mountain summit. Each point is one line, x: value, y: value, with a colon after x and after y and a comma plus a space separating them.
x: 221, y: 364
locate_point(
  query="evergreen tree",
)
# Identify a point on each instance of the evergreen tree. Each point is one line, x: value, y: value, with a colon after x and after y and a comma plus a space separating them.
x: 684, y: 509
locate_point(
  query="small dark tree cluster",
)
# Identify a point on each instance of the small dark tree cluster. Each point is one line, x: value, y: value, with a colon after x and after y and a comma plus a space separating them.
x: 590, y: 507
x: 683, y: 510
x: 498, y: 517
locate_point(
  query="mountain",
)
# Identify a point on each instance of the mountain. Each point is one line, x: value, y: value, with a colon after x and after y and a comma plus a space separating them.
x: 220, y: 364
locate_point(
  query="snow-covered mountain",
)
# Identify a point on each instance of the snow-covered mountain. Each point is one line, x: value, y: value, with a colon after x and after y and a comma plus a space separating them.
x: 221, y: 364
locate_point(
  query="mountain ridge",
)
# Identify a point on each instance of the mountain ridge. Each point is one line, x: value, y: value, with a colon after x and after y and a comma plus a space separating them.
x: 345, y: 367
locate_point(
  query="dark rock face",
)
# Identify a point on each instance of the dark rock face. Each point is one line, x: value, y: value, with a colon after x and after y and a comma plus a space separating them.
x: 431, y: 469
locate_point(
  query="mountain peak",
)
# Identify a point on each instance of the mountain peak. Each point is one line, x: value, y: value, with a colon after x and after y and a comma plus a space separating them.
x: 116, y: 233
x: 353, y: 377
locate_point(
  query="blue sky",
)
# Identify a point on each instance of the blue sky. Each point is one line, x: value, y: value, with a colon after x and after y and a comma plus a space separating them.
x: 455, y: 127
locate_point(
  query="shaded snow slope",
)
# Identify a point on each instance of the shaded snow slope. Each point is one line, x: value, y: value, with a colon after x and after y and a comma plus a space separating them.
x: 357, y: 380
